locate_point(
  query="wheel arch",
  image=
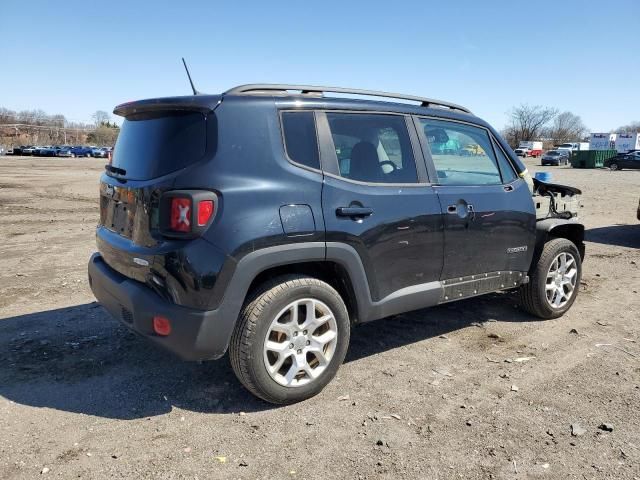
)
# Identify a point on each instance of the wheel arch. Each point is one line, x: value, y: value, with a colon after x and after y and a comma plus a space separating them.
x: 328, y: 271
x: 559, y: 228
x: 338, y: 265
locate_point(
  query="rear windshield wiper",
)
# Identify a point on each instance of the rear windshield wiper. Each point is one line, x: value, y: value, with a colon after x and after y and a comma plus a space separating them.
x: 115, y: 170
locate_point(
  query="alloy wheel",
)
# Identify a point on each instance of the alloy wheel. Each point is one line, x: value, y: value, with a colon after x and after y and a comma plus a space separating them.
x: 561, y: 280
x: 300, y: 342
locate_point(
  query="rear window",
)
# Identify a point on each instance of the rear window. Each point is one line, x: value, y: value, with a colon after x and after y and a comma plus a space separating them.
x: 153, y: 144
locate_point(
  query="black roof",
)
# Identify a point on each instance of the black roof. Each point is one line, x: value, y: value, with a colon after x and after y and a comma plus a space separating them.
x: 305, y: 96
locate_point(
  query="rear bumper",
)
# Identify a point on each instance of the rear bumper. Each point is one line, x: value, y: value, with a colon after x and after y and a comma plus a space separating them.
x: 195, y: 334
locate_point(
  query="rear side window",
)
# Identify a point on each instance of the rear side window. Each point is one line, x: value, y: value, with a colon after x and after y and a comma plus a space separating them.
x: 462, y: 154
x: 373, y: 148
x: 300, y: 139
x: 156, y: 143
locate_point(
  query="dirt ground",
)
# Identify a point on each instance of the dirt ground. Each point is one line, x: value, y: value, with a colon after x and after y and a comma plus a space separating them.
x: 430, y: 394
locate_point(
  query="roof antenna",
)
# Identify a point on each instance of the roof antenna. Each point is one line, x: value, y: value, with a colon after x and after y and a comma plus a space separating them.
x: 195, y: 92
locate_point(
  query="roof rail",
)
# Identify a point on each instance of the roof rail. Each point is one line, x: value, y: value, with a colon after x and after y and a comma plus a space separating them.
x: 310, y: 89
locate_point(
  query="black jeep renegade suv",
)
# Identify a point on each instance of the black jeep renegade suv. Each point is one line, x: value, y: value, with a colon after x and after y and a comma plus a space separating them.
x: 270, y: 219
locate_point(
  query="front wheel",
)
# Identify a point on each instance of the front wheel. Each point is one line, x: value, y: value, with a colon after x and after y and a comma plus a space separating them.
x: 614, y: 166
x: 290, y: 339
x: 555, y: 280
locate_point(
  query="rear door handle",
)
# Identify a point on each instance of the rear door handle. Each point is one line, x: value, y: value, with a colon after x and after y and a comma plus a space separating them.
x: 354, y: 211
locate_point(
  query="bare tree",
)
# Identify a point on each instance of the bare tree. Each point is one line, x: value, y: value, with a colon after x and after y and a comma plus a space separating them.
x: 527, y: 123
x: 100, y: 117
x: 104, y: 135
x: 633, y: 127
x: 567, y: 127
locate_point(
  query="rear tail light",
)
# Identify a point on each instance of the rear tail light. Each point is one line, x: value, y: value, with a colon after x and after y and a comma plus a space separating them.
x: 205, y: 212
x: 180, y: 214
x: 186, y: 213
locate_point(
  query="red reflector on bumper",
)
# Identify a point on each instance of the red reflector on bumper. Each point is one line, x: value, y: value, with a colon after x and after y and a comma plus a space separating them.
x: 161, y: 326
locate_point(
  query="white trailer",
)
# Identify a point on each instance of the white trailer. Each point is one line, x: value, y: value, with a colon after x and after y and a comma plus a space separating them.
x: 529, y: 148
x: 627, y: 141
x: 602, y: 141
x: 573, y: 147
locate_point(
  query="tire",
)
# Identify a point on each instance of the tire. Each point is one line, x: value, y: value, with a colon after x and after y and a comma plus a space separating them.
x: 614, y: 166
x: 262, y: 311
x: 533, y: 295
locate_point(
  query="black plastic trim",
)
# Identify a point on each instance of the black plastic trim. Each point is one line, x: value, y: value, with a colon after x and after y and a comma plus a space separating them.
x: 550, y: 226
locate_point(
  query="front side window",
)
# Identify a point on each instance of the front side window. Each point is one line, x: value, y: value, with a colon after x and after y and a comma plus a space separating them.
x: 373, y: 148
x: 462, y: 154
x: 300, y: 140
x: 506, y: 169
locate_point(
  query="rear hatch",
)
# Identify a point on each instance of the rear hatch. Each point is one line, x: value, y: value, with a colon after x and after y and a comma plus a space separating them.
x: 157, y: 141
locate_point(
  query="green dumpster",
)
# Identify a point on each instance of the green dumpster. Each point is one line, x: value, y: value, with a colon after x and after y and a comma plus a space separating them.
x: 591, y: 158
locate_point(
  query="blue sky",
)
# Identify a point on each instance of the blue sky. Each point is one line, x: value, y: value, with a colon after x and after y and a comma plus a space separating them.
x: 75, y: 57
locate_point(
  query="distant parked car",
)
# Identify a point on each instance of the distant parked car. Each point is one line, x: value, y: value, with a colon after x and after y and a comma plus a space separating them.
x: 522, y: 152
x: 102, y: 152
x: 624, y: 160
x: 51, y: 151
x: 37, y: 150
x: 64, y: 151
x: 555, y: 157
x: 28, y: 150
x: 80, y: 151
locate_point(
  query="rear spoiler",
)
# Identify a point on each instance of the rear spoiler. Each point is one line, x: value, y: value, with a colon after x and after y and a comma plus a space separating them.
x: 198, y: 103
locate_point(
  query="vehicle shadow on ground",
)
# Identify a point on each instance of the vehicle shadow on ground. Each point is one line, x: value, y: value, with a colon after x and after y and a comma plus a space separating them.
x: 620, y: 235
x: 80, y: 360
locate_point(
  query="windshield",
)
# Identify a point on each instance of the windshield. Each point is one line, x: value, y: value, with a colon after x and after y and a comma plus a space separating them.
x: 566, y: 145
x: 553, y: 154
x: 156, y: 143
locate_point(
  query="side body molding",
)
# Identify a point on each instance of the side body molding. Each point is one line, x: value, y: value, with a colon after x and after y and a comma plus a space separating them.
x: 252, y: 264
x: 403, y: 300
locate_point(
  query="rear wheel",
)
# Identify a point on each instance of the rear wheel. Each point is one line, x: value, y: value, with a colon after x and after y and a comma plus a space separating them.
x: 555, y: 281
x: 290, y: 339
x: 614, y: 166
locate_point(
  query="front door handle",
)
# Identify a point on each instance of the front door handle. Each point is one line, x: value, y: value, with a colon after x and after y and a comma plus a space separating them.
x: 462, y: 210
x: 354, y: 211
